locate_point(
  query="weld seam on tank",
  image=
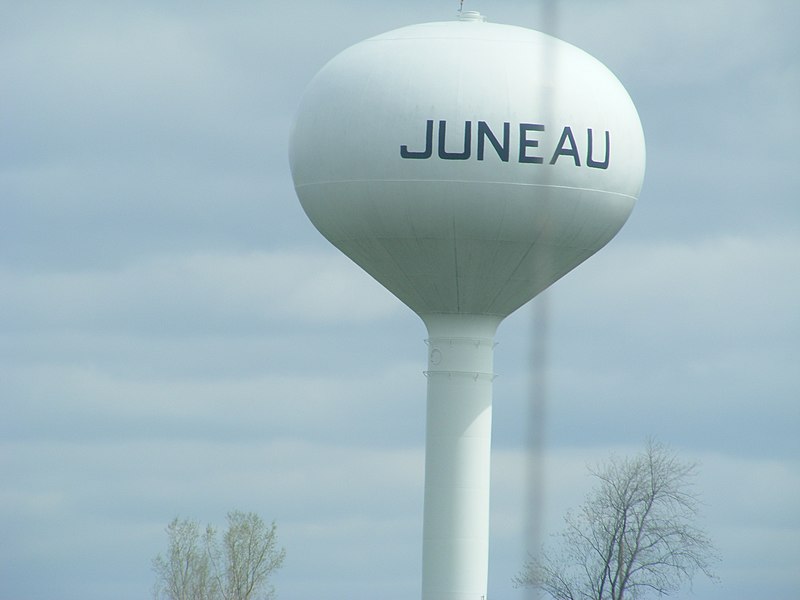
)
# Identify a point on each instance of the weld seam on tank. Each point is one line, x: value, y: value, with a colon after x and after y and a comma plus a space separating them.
x: 465, y: 374
x: 466, y: 181
x: 470, y: 341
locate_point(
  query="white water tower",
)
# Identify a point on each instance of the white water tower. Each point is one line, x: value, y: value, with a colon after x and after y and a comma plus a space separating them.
x: 466, y: 166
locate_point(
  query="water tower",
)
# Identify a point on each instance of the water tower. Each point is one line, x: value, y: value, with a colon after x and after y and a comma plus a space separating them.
x: 466, y: 166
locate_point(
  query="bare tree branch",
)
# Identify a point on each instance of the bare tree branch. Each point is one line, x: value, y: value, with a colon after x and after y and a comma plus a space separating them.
x: 634, y: 535
x: 238, y: 569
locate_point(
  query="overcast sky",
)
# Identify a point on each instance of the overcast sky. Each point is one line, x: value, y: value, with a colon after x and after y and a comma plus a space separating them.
x: 176, y: 339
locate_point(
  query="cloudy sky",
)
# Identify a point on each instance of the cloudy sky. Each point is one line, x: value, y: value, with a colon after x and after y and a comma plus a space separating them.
x: 177, y: 340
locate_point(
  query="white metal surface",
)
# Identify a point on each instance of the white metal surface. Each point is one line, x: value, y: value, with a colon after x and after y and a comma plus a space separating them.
x: 466, y: 166
x: 470, y: 236
x: 455, y: 546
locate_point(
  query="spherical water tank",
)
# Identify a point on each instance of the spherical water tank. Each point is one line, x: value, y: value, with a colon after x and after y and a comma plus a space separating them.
x: 467, y: 165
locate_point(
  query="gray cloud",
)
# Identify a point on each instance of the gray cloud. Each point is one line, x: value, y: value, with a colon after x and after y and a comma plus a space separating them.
x: 176, y: 339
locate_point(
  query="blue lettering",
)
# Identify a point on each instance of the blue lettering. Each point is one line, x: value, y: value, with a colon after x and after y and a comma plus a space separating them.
x: 562, y: 151
x: 525, y: 143
x: 593, y: 163
x: 501, y: 149
x: 444, y: 154
x: 566, y: 146
x: 428, y: 152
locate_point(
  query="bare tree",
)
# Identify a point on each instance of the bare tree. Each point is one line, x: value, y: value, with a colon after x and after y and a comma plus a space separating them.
x: 250, y: 555
x: 200, y: 568
x: 185, y: 574
x: 634, y: 535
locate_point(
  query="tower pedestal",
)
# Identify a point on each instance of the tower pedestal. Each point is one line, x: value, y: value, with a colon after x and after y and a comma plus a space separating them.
x: 455, y: 551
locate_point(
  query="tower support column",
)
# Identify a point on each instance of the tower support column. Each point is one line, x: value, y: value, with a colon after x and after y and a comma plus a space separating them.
x: 455, y: 551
